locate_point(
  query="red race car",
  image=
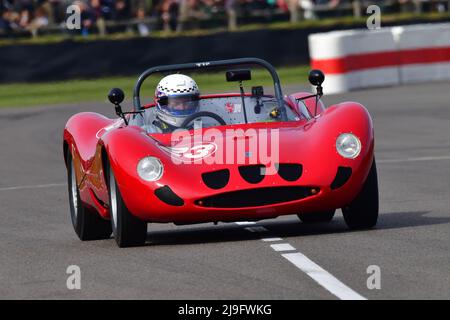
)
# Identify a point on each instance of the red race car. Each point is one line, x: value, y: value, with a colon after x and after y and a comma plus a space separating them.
x: 189, y: 158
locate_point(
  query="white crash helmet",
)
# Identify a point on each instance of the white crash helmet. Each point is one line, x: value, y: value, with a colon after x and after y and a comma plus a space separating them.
x: 176, y: 98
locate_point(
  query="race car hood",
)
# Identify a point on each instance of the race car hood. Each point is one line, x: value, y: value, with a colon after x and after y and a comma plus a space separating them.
x: 228, y: 158
x: 267, y: 144
x: 230, y: 145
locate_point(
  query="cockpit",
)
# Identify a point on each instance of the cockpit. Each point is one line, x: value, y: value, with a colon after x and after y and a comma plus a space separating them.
x: 232, y: 108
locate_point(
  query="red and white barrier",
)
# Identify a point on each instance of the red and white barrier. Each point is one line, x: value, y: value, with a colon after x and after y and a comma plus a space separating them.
x: 424, y: 52
x: 390, y: 56
x: 350, y: 59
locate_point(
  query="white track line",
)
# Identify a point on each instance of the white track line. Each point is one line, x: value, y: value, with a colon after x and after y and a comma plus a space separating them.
x: 322, y: 277
x: 413, y: 159
x: 282, y: 247
x: 312, y: 269
x: 36, y: 186
x: 271, y: 239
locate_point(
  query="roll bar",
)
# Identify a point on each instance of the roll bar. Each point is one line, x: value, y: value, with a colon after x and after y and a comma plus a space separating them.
x: 210, y: 65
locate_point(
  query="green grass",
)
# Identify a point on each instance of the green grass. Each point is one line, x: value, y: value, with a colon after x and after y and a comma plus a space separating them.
x: 74, y: 91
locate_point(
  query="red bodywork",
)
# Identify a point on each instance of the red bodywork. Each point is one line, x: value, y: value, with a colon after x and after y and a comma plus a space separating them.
x: 93, y: 139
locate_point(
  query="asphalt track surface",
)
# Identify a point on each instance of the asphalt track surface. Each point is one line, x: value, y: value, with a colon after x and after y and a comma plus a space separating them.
x: 410, y: 245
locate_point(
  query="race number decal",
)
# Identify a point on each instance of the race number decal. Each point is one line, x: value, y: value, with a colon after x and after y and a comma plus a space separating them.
x: 233, y: 107
x: 193, y: 153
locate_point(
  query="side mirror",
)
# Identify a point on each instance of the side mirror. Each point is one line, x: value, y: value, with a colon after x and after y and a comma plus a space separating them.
x: 238, y: 75
x: 116, y: 96
x: 257, y: 91
x: 316, y: 77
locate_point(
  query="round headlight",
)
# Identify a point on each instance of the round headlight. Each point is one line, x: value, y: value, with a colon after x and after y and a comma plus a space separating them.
x: 348, y: 145
x: 150, y: 169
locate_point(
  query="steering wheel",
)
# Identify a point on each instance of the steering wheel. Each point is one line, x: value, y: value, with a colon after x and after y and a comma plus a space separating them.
x: 202, y: 114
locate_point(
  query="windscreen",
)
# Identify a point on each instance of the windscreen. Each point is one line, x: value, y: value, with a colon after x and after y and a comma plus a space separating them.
x: 258, y: 109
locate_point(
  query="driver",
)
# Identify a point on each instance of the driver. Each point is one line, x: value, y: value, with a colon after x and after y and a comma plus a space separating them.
x: 176, y: 97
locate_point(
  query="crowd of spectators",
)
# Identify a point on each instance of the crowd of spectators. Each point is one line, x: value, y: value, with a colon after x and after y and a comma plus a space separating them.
x: 32, y: 15
x: 96, y: 15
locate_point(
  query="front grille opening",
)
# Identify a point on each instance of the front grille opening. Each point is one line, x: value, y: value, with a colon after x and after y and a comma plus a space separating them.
x: 253, y: 173
x: 290, y: 171
x: 257, y: 197
x: 216, y: 179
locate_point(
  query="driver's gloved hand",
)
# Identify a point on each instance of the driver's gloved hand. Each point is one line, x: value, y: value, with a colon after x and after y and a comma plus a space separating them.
x: 164, y: 127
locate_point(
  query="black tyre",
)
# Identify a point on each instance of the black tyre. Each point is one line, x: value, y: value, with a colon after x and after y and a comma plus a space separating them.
x: 362, y: 212
x: 88, y: 224
x: 315, y: 217
x: 128, y: 230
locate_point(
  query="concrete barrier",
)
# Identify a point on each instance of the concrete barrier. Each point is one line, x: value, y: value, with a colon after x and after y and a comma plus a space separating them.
x: 350, y: 59
x: 390, y: 56
x: 424, y: 52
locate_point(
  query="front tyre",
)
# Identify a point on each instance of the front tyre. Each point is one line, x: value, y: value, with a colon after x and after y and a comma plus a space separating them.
x: 316, y: 217
x: 88, y: 225
x: 362, y: 212
x: 128, y: 230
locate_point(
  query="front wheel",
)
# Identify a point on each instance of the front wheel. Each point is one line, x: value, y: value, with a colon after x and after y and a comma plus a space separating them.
x: 128, y: 230
x: 362, y: 212
x: 88, y: 225
x: 316, y: 217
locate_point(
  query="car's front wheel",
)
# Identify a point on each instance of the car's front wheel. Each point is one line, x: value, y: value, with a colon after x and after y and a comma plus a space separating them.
x: 128, y: 230
x: 88, y: 225
x: 316, y: 217
x: 362, y: 212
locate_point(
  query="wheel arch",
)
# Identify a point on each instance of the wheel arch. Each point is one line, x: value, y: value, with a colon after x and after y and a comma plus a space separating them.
x: 105, y: 164
x: 66, y: 152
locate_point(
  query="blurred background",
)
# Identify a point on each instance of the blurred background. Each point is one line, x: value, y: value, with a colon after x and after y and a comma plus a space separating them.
x: 25, y: 18
x: 400, y: 73
x: 45, y: 62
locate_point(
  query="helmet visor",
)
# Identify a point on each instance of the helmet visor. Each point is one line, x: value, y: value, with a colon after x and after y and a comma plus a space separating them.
x: 180, y: 105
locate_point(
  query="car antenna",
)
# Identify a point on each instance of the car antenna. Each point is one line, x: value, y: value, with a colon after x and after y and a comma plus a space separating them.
x: 241, y: 88
x: 239, y: 76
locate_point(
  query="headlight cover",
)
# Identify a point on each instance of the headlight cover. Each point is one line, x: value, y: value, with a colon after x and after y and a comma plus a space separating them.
x: 348, y: 145
x: 150, y: 169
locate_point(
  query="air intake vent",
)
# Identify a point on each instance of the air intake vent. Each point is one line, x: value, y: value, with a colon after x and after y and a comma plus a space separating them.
x: 342, y: 176
x: 256, y: 197
x: 216, y: 179
x: 253, y: 173
x: 166, y: 195
x: 290, y: 171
